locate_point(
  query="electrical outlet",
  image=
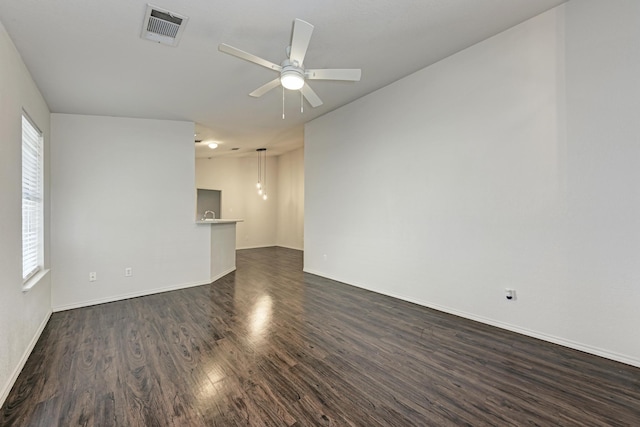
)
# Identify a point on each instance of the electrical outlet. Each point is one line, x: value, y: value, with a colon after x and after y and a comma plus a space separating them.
x: 93, y: 276
x: 128, y: 272
x: 510, y: 294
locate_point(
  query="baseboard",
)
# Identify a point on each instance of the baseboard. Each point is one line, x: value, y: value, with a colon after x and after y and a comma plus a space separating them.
x: 23, y: 359
x: 269, y: 246
x: 121, y: 297
x: 535, y: 334
x: 290, y: 247
x: 221, y: 275
x: 255, y: 247
x: 523, y: 331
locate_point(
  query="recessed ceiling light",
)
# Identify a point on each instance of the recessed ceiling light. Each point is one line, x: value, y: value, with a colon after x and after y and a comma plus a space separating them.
x: 213, y: 145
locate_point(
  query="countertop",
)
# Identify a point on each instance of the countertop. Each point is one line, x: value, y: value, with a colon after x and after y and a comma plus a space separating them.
x: 218, y: 221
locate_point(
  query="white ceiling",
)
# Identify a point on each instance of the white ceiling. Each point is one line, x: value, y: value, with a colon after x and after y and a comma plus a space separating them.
x: 87, y: 57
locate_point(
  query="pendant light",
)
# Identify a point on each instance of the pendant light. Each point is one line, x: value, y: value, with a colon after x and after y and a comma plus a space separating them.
x: 261, y: 185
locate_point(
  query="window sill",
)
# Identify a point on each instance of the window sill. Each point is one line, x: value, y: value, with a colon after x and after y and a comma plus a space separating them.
x: 34, y: 280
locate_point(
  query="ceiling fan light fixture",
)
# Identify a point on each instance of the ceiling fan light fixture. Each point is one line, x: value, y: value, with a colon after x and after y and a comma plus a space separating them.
x: 291, y: 79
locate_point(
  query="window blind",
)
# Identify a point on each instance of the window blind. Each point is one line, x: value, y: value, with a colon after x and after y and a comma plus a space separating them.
x: 32, y: 200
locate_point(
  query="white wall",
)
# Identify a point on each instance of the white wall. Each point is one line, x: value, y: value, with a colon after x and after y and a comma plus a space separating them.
x: 236, y: 178
x: 123, y: 195
x: 290, y: 228
x: 514, y: 164
x: 23, y: 315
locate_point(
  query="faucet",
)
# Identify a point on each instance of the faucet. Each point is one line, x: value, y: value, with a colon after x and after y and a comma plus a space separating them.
x: 213, y: 215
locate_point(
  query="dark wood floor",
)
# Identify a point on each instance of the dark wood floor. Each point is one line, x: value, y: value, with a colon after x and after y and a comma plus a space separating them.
x: 269, y: 345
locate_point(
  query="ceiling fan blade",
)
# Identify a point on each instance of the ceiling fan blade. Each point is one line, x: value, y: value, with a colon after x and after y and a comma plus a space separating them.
x: 311, y: 96
x: 352, y: 75
x: 248, y: 56
x: 300, y: 40
x: 265, y: 88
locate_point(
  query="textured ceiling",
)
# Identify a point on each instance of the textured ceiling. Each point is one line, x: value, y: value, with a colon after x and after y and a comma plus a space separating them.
x: 87, y: 57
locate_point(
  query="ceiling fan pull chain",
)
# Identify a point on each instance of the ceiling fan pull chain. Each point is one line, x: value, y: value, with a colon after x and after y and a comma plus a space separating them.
x: 282, y: 102
x: 301, y: 103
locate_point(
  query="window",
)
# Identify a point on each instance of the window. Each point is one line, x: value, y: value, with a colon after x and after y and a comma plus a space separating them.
x: 32, y: 199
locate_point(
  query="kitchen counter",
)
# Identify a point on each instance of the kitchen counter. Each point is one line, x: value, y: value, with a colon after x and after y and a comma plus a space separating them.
x: 218, y: 221
x: 223, y: 246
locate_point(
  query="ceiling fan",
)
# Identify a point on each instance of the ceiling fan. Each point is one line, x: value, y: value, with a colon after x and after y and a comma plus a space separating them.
x: 293, y: 75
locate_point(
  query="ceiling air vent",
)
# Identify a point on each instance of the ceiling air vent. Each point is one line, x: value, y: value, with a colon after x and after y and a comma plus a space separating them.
x: 162, y: 26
